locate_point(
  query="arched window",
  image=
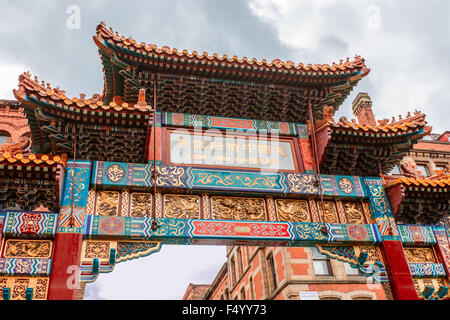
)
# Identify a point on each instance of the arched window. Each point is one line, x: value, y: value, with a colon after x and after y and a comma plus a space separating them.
x: 3, y: 137
x: 362, y: 298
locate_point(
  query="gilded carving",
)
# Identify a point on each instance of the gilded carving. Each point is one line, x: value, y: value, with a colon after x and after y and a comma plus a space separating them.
x: 158, y: 205
x: 107, y: 203
x: 421, y: 284
x: 90, y: 207
x: 96, y: 249
x: 115, y: 173
x: 271, y: 209
x: 327, y: 210
x: 182, y: 206
x: 420, y: 255
x: 141, y: 205
x: 233, y: 208
x: 125, y: 203
x: 28, y: 249
x: 293, y: 210
x: 373, y: 254
x: 314, y: 211
x: 354, y: 212
x: 19, y: 289
x: 367, y: 213
x: 19, y: 285
x: 206, y: 207
x: 341, y: 212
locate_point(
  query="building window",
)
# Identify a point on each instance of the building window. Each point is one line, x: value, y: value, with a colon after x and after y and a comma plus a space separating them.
x: 395, y: 170
x: 330, y: 298
x: 243, y: 294
x: 321, y: 263
x: 3, y: 137
x: 424, y: 169
x: 352, y: 271
x: 233, y: 271
x: 252, y: 289
x: 440, y: 167
x: 239, y: 258
x: 272, y: 272
x: 362, y: 298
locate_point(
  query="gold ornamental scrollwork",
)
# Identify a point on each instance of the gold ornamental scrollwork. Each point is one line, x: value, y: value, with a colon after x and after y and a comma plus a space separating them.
x: 293, y: 210
x: 234, y: 208
x: 28, y: 249
x: 181, y: 206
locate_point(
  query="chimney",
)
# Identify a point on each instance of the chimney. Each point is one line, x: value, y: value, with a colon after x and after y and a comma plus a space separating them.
x: 362, y: 109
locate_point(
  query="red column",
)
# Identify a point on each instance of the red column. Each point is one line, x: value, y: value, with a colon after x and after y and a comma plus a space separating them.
x: 400, y: 279
x: 65, y: 266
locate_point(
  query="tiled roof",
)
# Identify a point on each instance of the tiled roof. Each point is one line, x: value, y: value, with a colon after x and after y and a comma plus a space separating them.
x: 438, y: 181
x: 384, y: 127
x: 104, y: 34
x: 45, y: 93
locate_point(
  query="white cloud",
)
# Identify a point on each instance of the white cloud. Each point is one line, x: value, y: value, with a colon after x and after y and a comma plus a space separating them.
x: 160, y: 276
x: 9, y: 78
x: 403, y: 49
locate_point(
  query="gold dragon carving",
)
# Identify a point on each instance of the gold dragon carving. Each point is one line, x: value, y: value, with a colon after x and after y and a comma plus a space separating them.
x: 233, y: 208
x: 28, y: 249
x: 354, y: 212
x: 181, y: 206
x: 107, y: 203
x: 293, y: 210
x: 141, y: 205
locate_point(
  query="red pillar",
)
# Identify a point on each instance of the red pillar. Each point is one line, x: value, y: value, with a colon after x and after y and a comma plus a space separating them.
x: 400, y: 279
x: 64, y: 276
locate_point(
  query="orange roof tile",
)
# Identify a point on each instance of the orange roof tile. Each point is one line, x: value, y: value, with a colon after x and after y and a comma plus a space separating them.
x: 32, y: 158
x: 442, y: 181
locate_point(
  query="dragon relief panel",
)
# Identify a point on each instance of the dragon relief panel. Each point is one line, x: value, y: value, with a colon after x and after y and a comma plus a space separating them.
x: 28, y: 249
x: 354, y: 212
x: 327, y: 211
x: 234, y: 208
x: 420, y: 255
x: 107, y: 203
x: 141, y: 204
x: 181, y: 206
x: 293, y: 210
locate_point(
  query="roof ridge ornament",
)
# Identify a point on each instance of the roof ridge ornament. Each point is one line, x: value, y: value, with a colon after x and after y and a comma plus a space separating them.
x: 142, y: 104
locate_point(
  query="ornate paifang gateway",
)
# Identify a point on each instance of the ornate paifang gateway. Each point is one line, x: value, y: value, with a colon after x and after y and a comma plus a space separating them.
x: 130, y: 187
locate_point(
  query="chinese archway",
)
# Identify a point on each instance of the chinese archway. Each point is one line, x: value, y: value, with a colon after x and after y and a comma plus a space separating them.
x: 147, y: 163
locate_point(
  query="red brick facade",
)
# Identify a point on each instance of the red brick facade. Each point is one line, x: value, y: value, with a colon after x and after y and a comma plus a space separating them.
x: 12, y: 121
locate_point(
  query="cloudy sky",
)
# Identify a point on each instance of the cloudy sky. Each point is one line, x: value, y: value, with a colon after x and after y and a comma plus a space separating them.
x: 406, y: 44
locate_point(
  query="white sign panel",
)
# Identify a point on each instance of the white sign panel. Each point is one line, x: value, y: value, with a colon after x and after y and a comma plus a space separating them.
x: 309, y: 295
x: 228, y: 150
